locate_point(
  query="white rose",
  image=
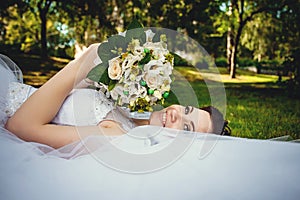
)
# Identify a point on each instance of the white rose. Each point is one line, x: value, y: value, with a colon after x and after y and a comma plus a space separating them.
x: 158, y: 50
x: 152, y: 80
x: 153, y: 73
x: 130, y: 60
x: 166, y: 87
x: 116, y: 92
x: 133, y: 44
x: 157, y: 94
x: 135, y: 90
x: 132, y: 75
x: 114, y: 68
x: 167, y: 69
x: 138, y: 51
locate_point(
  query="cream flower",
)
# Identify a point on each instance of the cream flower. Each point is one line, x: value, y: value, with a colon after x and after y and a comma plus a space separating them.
x: 114, y: 68
x: 157, y: 94
x: 151, y: 80
x: 130, y: 60
x: 158, y: 50
x: 133, y: 44
x: 147, y: 80
x: 116, y: 91
x: 154, y: 73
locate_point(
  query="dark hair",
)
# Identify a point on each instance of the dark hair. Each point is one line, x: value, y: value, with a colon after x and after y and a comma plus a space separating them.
x: 219, y: 124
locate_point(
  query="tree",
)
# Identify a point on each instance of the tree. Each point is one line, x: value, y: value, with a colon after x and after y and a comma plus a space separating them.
x: 43, y: 8
x: 244, y: 11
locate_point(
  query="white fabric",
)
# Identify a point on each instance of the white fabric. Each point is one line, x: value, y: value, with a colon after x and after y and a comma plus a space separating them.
x: 147, y: 163
x: 82, y: 107
x: 234, y: 169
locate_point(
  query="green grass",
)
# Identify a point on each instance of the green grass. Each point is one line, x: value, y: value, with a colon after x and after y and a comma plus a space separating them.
x: 262, y: 112
x: 257, y: 106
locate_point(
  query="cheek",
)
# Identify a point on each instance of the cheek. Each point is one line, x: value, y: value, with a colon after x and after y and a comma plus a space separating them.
x: 174, y: 126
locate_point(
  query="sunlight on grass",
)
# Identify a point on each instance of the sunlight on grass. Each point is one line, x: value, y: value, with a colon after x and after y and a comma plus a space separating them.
x: 257, y: 106
x: 242, y: 76
x: 250, y: 78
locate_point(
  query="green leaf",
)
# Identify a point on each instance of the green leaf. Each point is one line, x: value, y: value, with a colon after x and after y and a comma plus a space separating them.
x: 116, y: 42
x: 135, y: 30
x: 104, y: 78
x: 134, y: 24
x: 136, y: 34
x: 104, y: 52
x: 99, y: 74
x: 156, y: 37
x: 112, y: 84
x: 146, y: 59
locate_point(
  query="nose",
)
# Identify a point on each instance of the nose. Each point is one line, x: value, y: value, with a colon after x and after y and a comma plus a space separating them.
x: 175, y: 116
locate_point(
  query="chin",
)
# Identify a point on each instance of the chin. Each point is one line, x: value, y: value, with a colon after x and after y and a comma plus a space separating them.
x: 155, y: 118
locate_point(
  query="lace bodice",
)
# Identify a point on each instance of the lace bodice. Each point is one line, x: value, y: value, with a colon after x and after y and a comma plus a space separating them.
x: 82, y: 107
x: 16, y: 95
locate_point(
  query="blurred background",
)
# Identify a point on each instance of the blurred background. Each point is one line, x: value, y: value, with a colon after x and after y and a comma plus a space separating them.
x: 255, y: 45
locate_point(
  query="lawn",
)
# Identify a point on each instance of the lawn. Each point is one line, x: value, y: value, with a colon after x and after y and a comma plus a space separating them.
x: 257, y: 106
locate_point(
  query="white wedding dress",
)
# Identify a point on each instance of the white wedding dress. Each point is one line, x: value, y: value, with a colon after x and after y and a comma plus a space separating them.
x: 147, y: 163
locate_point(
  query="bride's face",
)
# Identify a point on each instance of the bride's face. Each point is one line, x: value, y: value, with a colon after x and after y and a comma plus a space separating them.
x: 183, y: 118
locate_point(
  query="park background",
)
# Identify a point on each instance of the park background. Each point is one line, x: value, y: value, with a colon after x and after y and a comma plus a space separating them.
x: 255, y: 45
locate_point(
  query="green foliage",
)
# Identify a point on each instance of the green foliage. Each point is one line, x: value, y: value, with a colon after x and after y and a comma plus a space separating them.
x: 99, y: 74
x: 114, y: 46
x: 179, y: 61
x: 246, y: 62
x: 221, y: 62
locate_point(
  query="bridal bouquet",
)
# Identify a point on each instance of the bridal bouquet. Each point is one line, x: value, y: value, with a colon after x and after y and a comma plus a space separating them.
x: 136, y: 68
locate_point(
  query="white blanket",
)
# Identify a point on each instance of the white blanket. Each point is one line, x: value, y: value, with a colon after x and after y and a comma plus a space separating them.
x: 204, y: 167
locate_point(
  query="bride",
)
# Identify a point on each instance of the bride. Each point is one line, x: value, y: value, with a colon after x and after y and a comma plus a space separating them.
x: 45, y: 117
x: 55, y: 113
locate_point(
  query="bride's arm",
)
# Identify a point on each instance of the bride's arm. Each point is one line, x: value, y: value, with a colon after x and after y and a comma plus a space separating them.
x: 32, y: 121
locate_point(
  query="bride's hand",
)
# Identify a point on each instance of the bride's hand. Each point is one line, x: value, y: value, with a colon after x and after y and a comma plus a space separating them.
x: 87, y: 60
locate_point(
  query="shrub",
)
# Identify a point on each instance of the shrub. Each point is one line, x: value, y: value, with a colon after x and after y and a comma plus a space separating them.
x: 179, y: 61
x: 221, y: 62
x: 246, y: 62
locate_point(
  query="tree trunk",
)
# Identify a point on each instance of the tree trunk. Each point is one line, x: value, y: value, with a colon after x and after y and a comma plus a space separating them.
x: 233, y: 62
x: 43, y: 34
x: 43, y: 6
x: 228, y: 49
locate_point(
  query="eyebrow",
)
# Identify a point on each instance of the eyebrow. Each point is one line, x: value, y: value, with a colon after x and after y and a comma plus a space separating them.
x: 193, y: 125
x: 192, y: 108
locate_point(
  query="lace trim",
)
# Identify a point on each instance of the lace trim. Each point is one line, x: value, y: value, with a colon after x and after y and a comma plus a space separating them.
x: 98, y: 107
x: 16, y: 95
x: 102, y: 106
